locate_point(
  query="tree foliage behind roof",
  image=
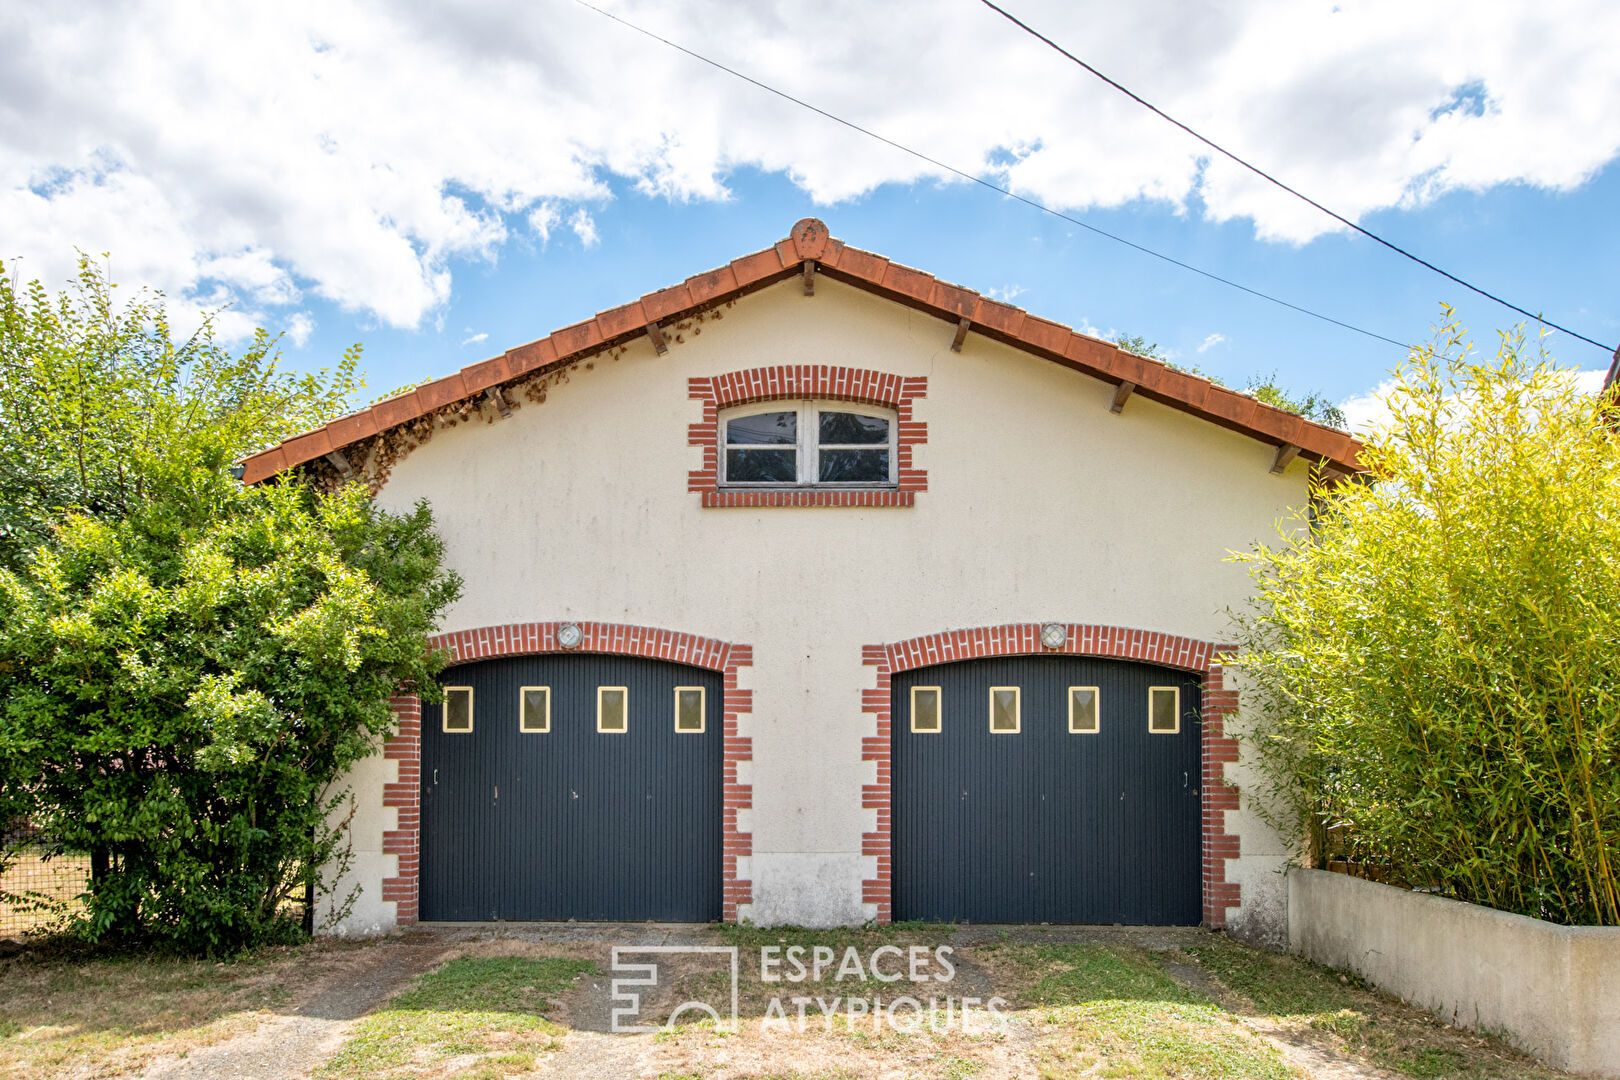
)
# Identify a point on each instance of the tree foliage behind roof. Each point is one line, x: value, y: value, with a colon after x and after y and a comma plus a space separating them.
x: 94, y: 388
x: 1314, y: 406
x: 1435, y: 669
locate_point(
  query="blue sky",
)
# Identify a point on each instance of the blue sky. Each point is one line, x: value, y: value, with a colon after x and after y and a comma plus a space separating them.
x: 441, y: 184
x: 1557, y: 250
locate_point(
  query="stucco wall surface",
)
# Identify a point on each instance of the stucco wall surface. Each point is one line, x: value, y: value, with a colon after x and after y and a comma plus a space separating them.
x: 1552, y: 990
x: 1040, y: 505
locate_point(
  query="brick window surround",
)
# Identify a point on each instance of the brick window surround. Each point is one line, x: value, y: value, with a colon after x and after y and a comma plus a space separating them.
x: 1019, y: 639
x: 803, y: 382
x: 524, y: 639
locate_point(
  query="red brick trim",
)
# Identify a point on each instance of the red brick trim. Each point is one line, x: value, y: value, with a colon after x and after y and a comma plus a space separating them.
x: 800, y: 382
x: 1148, y: 646
x: 521, y: 639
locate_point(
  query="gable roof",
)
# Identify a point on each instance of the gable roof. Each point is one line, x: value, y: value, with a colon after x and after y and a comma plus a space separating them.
x: 810, y: 246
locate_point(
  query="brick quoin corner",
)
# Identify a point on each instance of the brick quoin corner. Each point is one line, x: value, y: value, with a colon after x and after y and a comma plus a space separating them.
x: 525, y: 639
x: 802, y: 382
x: 1121, y: 643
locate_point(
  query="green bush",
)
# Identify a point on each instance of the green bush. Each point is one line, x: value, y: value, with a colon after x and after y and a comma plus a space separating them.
x: 187, y: 665
x: 1433, y: 665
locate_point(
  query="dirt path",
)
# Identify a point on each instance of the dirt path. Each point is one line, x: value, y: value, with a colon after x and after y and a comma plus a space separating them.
x: 1310, y: 1056
x: 298, y: 1040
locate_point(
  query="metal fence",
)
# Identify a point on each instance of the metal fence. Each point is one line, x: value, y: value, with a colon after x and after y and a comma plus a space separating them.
x: 37, y: 891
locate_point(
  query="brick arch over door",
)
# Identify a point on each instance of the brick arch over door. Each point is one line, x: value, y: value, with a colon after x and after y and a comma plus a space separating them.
x: 526, y: 639
x: 800, y: 382
x: 1024, y: 639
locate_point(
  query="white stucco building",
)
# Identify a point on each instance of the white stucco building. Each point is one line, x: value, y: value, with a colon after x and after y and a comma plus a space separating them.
x: 814, y: 590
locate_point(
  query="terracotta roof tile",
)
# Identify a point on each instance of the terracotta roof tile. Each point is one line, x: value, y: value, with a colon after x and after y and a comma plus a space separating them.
x: 954, y: 298
x: 998, y: 316
x: 441, y: 392
x: 705, y: 287
x: 622, y: 320
x: 810, y: 237
x: 531, y: 357
x: 752, y: 269
x: 660, y: 305
x: 862, y: 269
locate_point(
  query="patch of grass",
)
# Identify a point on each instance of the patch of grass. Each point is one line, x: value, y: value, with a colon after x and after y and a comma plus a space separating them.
x: 1119, y: 1013
x: 72, y: 1010
x: 1361, y: 1021
x: 488, y: 1009
x: 1082, y: 973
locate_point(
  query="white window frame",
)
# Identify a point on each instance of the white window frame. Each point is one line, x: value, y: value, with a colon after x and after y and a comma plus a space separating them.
x: 625, y: 691
x: 444, y: 712
x: 1096, y: 711
x: 939, y: 711
x: 523, y: 701
x: 1018, y: 711
x: 1176, y: 690
x: 807, y: 448
x: 703, y: 711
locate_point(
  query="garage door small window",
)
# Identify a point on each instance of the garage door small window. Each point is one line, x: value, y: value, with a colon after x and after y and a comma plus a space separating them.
x: 1085, y: 717
x: 1005, y: 710
x: 458, y: 709
x: 925, y: 710
x: 1164, y: 709
x: 534, y: 710
x: 612, y: 709
x: 689, y: 710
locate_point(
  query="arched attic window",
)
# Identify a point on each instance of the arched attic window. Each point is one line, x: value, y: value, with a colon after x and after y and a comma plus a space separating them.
x: 807, y: 444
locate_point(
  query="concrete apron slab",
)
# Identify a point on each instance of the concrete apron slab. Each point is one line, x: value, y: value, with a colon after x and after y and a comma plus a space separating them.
x: 1152, y: 938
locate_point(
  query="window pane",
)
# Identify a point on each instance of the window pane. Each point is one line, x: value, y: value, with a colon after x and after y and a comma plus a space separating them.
x: 1083, y: 708
x: 1164, y: 709
x: 1004, y: 708
x: 764, y: 429
x: 925, y: 708
x: 854, y: 466
x: 610, y: 708
x: 458, y: 709
x: 536, y: 709
x: 762, y: 466
x: 848, y: 427
x: 688, y: 708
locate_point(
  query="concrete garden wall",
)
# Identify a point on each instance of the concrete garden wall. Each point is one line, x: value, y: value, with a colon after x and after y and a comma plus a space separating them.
x: 1553, y: 991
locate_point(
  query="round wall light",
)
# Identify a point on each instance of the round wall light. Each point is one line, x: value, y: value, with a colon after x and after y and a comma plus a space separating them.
x: 1054, y: 635
x: 569, y: 635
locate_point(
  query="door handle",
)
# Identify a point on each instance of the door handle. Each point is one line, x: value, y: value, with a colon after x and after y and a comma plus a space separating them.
x: 435, y: 777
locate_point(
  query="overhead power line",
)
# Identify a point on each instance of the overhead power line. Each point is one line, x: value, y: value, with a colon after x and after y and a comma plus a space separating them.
x: 982, y: 182
x: 1223, y: 151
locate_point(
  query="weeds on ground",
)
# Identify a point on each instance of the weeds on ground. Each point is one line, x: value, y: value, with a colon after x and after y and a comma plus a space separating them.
x: 68, y: 1008
x: 478, y: 1016
x: 1359, y: 1021
x: 1118, y: 1013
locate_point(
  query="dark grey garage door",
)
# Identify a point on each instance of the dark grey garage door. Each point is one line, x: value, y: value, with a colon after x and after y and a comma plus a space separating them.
x: 563, y: 790
x: 1093, y: 819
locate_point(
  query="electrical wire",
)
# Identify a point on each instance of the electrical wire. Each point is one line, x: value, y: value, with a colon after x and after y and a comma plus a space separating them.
x: 1218, y: 148
x: 998, y: 189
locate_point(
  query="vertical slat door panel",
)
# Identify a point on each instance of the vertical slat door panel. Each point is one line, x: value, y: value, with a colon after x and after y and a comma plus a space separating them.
x: 573, y: 823
x: 1045, y: 825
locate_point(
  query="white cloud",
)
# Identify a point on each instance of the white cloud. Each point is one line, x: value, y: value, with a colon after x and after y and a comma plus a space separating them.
x: 396, y: 140
x: 1210, y: 342
x: 1007, y: 293
x: 584, y: 227
x: 1369, y: 412
x: 474, y: 339
x: 300, y: 327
